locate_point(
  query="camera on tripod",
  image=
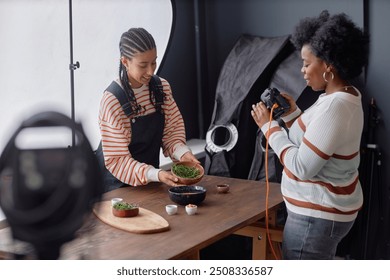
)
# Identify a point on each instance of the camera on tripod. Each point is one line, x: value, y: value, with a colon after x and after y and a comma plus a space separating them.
x: 272, y: 96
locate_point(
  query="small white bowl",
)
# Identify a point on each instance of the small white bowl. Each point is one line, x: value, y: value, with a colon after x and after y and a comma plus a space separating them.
x: 116, y: 200
x: 191, y: 209
x: 171, y: 209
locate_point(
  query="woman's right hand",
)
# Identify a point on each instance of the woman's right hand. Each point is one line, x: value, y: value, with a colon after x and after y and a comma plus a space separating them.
x: 167, y: 178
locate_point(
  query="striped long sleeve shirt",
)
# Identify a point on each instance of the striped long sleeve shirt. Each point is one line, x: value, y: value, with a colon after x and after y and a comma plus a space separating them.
x: 321, y: 157
x: 115, y: 130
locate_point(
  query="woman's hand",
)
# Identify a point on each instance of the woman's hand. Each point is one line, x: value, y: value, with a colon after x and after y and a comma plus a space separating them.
x: 188, y: 156
x: 291, y: 101
x: 260, y: 114
x: 166, y: 177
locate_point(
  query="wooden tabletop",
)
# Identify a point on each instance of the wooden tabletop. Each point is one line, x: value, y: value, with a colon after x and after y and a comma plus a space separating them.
x: 218, y: 216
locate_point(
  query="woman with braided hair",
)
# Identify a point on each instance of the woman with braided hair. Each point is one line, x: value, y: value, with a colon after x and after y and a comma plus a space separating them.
x: 134, y: 130
x: 320, y: 153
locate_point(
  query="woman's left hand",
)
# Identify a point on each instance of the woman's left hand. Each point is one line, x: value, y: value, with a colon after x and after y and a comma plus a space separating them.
x: 188, y: 156
x: 260, y: 114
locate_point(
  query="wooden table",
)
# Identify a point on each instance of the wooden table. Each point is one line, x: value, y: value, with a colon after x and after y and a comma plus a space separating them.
x: 219, y: 215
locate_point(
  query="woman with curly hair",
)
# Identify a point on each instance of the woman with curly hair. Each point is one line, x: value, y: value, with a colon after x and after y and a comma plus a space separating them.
x: 320, y: 154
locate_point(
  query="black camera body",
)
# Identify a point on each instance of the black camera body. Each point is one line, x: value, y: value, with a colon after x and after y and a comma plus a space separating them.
x: 272, y: 96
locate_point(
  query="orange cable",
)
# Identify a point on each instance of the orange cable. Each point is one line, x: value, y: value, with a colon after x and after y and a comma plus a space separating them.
x: 267, y: 185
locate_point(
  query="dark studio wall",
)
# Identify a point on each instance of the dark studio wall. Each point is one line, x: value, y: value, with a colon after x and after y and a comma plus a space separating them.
x: 204, y: 33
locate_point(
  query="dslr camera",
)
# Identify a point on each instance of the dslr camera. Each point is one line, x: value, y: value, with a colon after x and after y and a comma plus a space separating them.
x: 272, y: 96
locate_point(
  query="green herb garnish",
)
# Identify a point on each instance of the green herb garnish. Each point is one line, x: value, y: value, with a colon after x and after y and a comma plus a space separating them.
x: 124, y: 206
x: 185, y: 171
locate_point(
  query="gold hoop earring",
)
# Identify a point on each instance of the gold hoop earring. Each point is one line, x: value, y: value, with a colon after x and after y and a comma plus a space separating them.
x: 331, y: 76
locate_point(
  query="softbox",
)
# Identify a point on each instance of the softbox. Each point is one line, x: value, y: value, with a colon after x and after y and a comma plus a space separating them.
x: 247, y: 72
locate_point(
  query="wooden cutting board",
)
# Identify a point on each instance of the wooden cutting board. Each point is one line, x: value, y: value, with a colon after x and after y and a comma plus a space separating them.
x: 145, y: 222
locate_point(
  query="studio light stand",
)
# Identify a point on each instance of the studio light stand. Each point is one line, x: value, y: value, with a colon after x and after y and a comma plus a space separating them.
x: 372, y: 161
x: 72, y: 67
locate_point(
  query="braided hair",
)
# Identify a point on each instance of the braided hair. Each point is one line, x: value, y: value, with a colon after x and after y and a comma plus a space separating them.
x: 133, y: 41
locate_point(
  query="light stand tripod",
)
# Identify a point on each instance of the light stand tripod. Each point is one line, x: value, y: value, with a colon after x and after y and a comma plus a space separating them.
x: 371, y: 185
x: 72, y: 67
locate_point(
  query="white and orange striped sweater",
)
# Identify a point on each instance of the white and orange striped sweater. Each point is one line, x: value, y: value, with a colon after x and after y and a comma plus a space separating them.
x: 115, y: 130
x: 321, y: 156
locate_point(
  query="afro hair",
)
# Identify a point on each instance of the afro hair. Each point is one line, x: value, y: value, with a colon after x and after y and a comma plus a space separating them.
x: 336, y: 40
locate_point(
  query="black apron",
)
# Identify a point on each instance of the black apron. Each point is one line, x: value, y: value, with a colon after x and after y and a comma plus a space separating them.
x: 146, y: 140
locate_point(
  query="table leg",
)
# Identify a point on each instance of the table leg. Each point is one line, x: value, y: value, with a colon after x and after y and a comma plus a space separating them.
x: 261, y: 249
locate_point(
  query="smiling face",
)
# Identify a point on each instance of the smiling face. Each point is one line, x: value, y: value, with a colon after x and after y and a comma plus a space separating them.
x: 141, y: 67
x: 313, y: 69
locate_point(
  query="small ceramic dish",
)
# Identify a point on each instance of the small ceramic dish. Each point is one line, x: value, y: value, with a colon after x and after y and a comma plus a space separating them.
x: 115, y: 200
x: 191, y: 209
x: 171, y: 209
x: 123, y: 209
x: 223, y: 188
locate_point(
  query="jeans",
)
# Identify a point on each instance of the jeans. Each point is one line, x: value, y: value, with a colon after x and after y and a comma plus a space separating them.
x: 308, y: 238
